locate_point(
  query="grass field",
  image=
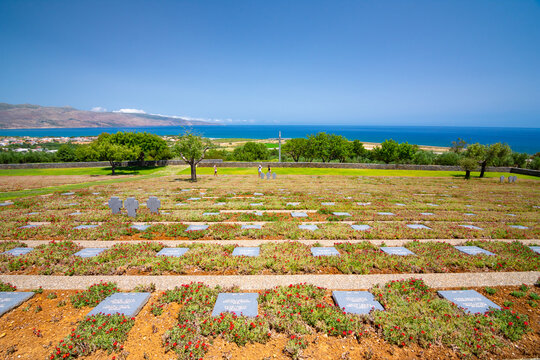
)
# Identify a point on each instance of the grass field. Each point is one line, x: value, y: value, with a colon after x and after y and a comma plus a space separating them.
x: 349, y: 172
x: 79, y: 171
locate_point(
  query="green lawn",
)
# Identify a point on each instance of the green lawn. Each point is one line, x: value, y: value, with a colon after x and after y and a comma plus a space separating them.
x: 79, y: 171
x: 345, y: 172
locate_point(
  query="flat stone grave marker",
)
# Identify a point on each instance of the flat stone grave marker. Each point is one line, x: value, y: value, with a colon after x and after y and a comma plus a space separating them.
x: 324, y: 251
x: 293, y: 203
x: 510, y: 214
x: 397, y: 250
x: 470, y: 301
x: 95, y: 193
x: 328, y: 203
x: 468, y: 205
x: 196, y: 227
x: 29, y: 226
x: 174, y: 252
x: 251, y: 226
x: 153, y: 204
x: 262, y: 176
x: 386, y: 213
x: 33, y: 213
x: 356, y: 302
x: 75, y: 213
x: 258, y: 194
x: 258, y: 213
x: 11, y: 299
x: 501, y: 179
x: 337, y: 213
x: 128, y: 304
x: 73, y: 204
x: 363, y: 203
x: 246, y: 251
x: 185, y: 190
x: 418, y: 226
x: 89, y: 252
x: 220, y: 204
x: 469, y: 214
x: 194, y: 198
x: 81, y: 227
x: 400, y: 204
x: 180, y: 204
x: 131, y: 205
x: 298, y: 214
x: 6, y: 203
x: 536, y: 249
x: 68, y: 193
x: 140, y: 227
x: 521, y: 227
x: 115, y: 204
x: 211, y: 214
x: 473, y: 250
x: 308, y: 227
x: 427, y: 214
x: 430, y: 204
x: 274, y: 176
x: 361, y: 227
x: 471, y: 227
x: 237, y: 303
x: 256, y: 204
x: 18, y: 251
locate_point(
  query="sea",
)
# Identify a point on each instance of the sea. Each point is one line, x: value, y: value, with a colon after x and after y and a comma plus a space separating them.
x: 520, y: 139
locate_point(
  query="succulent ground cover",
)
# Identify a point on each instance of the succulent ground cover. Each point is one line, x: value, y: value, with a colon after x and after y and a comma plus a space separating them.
x: 294, y: 321
x: 56, y: 258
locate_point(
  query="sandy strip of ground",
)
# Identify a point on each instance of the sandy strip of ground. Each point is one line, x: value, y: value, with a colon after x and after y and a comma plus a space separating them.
x: 255, y: 282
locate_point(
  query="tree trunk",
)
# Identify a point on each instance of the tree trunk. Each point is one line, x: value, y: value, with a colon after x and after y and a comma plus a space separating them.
x: 112, y: 166
x: 193, y: 172
x: 467, y: 174
x: 483, y: 169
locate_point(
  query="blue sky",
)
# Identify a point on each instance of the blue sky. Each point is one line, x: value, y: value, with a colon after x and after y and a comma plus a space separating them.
x: 290, y: 62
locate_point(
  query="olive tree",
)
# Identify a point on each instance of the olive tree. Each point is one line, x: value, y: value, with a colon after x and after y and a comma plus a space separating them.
x: 192, y: 148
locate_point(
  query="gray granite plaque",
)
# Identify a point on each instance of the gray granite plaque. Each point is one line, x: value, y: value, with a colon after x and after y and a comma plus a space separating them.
x: 68, y: 193
x: 324, y: 251
x: 251, y: 227
x: 174, y: 252
x: 469, y: 214
x: 400, y: 204
x: 211, y: 214
x: 341, y: 213
x: 536, y: 249
x: 293, y: 203
x: 298, y: 214
x: 196, y: 227
x: 430, y: 204
x: 128, y: 304
x: 11, y: 299
x: 256, y: 204
x: 471, y: 227
x: 140, y: 227
x: 397, y: 250
x: 356, y: 302
x: 308, y: 227
x: 427, y: 214
x: 386, y: 213
x: 180, y: 204
x: 274, y: 176
x: 521, y: 227
x: 246, y: 251
x: 237, y: 303
x: 328, y: 203
x: 220, y: 204
x: 258, y: 213
x: 131, y: 205
x: 76, y: 213
x: 194, y: 198
x: 258, y: 194
x: 262, y: 176
x: 115, y: 204
x: 18, y: 251
x: 89, y: 252
x: 6, y: 203
x: 418, y: 226
x: 469, y: 300
x: 29, y: 226
x: 473, y: 250
x: 510, y: 214
x: 73, y: 204
x: 363, y: 203
x: 81, y: 227
x: 268, y: 176
x: 501, y: 179
x: 361, y: 227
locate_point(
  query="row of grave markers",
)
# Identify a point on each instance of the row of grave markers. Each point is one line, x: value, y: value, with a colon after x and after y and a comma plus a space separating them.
x: 255, y: 251
x: 245, y: 304
x: 511, y: 179
x: 131, y: 205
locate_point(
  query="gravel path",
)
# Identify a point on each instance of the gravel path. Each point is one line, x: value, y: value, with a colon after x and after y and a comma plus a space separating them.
x: 254, y: 282
x: 256, y: 242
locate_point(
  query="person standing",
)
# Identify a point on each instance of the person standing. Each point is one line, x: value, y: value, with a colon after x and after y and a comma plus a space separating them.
x: 215, y: 170
x: 269, y: 170
x: 260, y: 170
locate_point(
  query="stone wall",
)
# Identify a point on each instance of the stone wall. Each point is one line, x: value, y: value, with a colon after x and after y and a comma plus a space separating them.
x: 525, y: 171
x: 99, y: 164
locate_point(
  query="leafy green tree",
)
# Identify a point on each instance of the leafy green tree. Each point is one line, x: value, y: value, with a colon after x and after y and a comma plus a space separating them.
x: 295, y: 148
x: 66, y: 153
x: 86, y: 153
x: 339, y: 148
x: 458, y: 146
x: 115, y: 153
x: 405, y: 152
x: 192, y: 148
x: 448, y: 158
x: 387, y: 151
x: 488, y: 155
x: 251, y: 151
x: 320, y: 145
x: 422, y: 157
x: 468, y: 164
x: 535, y: 162
x: 358, y: 150
x: 519, y: 159
x: 151, y: 147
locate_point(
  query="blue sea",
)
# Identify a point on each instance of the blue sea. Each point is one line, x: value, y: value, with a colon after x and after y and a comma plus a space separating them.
x: 520, y: 139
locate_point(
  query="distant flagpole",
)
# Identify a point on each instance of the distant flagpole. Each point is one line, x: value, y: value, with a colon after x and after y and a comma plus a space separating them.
x: 280, y: 146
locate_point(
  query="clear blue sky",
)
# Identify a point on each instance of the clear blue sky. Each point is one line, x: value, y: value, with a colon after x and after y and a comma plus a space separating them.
x: 340, y: 62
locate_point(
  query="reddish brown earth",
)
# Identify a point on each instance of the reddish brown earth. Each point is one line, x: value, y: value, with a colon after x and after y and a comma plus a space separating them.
x: 19, y: 338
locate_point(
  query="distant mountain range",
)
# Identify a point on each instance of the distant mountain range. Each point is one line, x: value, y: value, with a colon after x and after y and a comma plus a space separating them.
x: 27, y: 116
